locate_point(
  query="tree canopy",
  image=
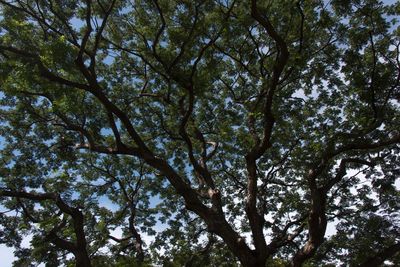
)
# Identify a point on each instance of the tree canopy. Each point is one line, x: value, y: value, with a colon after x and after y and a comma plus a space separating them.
x: 253, y: 133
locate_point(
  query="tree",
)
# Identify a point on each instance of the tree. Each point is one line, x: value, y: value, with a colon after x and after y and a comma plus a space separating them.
x: 243, y: 128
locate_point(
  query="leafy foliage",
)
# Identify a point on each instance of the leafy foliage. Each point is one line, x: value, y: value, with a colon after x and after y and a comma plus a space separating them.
x: 200, y: 133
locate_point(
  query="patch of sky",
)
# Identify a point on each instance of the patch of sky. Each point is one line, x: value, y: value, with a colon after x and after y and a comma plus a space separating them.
x: 77, y: 23
x: 7, y: 253
x: 105, y: 202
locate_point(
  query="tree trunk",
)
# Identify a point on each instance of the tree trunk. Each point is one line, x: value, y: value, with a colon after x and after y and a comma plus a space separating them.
x: 82, y: 259
x: 253, y: 262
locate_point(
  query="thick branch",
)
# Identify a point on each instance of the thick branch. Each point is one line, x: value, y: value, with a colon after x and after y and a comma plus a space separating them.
x: 79, y: 248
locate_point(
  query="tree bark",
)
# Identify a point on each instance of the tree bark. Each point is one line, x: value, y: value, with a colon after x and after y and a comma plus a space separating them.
x: 82, y: 259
